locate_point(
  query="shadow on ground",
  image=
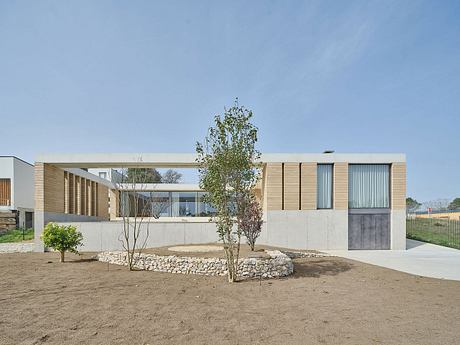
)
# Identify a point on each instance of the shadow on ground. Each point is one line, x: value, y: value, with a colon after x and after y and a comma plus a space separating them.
x: 317, y: 268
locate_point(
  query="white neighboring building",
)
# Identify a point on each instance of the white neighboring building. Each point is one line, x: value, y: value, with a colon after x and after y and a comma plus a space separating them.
x: 17, y: 191
x: 107, y: 174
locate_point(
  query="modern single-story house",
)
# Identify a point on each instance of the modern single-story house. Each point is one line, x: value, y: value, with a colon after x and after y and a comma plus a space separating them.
x: 16, y: 193
x: 310, y: 201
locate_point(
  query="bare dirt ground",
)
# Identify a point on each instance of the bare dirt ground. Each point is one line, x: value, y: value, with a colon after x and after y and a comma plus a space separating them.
x: 327, y: 301
x: 245, y: 251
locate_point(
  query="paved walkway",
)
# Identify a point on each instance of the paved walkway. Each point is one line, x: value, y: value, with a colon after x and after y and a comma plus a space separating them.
x: 420, y: 258
x: 20, y: 247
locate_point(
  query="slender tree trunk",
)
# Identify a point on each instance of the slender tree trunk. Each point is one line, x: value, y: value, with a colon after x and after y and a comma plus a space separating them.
x: 62, y: 256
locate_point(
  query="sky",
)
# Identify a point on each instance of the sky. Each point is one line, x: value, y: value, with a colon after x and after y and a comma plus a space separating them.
x: 149, y: 76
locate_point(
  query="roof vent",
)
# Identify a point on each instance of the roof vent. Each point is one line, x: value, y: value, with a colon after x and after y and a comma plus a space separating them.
x: 328, y: 151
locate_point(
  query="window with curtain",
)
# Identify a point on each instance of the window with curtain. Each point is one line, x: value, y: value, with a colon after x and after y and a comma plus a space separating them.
x: 369, y: 186
x: 324, y: 186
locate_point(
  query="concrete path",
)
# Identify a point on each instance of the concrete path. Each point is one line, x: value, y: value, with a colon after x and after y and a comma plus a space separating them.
x: 420, y: 258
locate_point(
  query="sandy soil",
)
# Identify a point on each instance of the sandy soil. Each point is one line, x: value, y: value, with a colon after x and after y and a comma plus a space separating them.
x: 245, y: 251
x: 327, y: 301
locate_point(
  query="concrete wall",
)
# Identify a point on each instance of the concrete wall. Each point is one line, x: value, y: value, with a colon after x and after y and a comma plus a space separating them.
x: 41, y: 218
x: 99, y: 236
x: 23, y: 185
x: 315, y: 229
x: 322, y: 229
x: 398, y: 229
x: 312, y: 229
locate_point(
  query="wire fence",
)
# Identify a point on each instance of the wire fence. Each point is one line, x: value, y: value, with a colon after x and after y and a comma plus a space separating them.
x: 442, y: 231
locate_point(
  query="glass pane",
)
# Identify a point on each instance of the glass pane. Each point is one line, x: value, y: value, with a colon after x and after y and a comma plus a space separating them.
x: 183, y: 204
x: 161, y: 204
x: 135, y: 204
x: 324, y: 186
x: 369, y: 186
x: 204, y: 209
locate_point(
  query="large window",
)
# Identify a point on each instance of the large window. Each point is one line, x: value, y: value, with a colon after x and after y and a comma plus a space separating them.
x: 204, y: 209
x: 161, y: 204
x: 324, y: 186
x: 183, y: 204
x: 369, y: 186
x: 165, y: 204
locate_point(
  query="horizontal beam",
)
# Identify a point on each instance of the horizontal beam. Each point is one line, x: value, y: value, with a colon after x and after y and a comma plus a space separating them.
x: 188, y: 160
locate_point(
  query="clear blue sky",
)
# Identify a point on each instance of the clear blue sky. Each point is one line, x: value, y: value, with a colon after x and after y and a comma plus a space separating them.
x: 148, y: 76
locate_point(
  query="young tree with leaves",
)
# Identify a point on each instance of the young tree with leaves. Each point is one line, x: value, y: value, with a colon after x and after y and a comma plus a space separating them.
x: 412, y: 205
x: 228, y: 172
x: 62, y: 238
x: 455, y: 204
x: 142, y: 175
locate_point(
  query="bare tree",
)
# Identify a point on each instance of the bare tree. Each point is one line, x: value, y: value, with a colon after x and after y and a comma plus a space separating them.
x: 171, y: 176
x: 137, y: 208
x: 438, y: 204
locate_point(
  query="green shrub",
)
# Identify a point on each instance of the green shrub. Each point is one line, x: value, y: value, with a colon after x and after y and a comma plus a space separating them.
x: 62, y: 238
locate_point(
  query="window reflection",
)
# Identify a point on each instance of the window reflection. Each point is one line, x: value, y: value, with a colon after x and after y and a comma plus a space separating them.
x: 165, y: 204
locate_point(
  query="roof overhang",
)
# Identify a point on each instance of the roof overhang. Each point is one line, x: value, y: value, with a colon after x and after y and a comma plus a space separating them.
x: 188, y: 160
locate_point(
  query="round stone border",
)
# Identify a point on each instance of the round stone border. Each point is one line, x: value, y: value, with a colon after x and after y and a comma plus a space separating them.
x: 277, y: 264
x: 17, y: 247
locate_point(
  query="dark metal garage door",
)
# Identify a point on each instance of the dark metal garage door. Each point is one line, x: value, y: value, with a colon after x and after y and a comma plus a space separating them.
x: 369, y: 229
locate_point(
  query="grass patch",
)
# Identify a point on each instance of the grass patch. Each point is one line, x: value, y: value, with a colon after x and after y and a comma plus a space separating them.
x: 437, y: 231
x: 16, y: 235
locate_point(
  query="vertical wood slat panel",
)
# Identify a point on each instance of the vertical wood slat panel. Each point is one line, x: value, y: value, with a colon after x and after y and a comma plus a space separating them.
x: 71, y: 193
x: 102, y: 201
x: 114, y: 203
x: 398, y: 186
x: 83, y: 195
x: 66, y: 192
x: 89, y: 197
x: 308, y: 186
x: 291, y: 186
x: 340, y: 185
x: 39, y: 186
x: 274, y: 186
x: 78, y: 195
x: 49, y: 188
x: 5, y: 192
x: 96, y: 208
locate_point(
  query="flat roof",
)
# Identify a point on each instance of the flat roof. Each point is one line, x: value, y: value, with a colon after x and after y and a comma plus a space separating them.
x: 17, y: 158
x: 185, y: 160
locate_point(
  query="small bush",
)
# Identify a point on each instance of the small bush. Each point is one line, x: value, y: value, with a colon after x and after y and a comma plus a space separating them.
x: 62, y: 238
x: 251, y: 222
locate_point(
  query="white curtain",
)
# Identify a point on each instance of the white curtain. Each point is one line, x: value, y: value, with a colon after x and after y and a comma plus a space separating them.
x: 368, y: 186
x: 324, y: 186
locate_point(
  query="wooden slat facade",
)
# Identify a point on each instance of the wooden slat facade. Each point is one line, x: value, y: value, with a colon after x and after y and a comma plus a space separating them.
x: 291, y: 186
x: 274, y: 186
x: 340, y: 186
x: 398, y: 186
x: 60, y: 191
x: 5, y: 192
x: 308, y: 176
